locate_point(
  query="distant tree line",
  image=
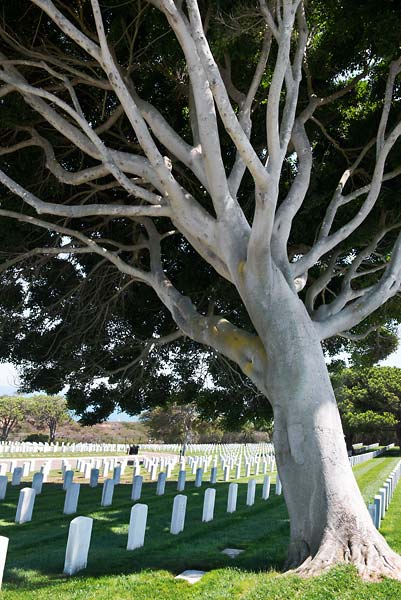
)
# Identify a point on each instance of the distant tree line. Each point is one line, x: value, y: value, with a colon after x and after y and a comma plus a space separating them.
x: 179, y: 423
x: 369, y: 400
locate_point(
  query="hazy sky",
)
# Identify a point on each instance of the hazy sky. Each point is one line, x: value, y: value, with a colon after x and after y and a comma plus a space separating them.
x: 9, y: 380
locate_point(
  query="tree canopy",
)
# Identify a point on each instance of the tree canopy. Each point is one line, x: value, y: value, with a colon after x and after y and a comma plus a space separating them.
x: 76, y: 323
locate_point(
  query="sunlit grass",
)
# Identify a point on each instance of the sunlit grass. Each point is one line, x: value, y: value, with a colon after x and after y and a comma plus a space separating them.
x: 36, y: 553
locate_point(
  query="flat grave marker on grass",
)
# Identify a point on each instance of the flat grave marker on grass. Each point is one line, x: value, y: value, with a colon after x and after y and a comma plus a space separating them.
x: 232, y: 552
x: 79, y: 537
x: 191, y: 575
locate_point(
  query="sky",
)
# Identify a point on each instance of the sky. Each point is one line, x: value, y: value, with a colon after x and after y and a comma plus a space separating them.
x: 9, y: 381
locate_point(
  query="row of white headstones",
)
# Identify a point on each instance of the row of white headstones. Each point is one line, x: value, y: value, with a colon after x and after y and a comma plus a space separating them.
x: 65, y: 448
x: 151, y: 464
x: 27, y: 495
x: 382, y: 500
x: 90, y: 468
x: 80, y: 530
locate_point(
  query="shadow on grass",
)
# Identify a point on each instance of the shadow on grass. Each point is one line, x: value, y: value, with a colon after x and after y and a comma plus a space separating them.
x: 37, y: 548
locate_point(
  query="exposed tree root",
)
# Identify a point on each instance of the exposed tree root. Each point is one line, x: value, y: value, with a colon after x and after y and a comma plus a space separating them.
x: 373, y: 559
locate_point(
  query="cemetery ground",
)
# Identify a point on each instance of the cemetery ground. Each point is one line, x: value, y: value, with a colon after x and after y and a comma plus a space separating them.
x: 37, y: 549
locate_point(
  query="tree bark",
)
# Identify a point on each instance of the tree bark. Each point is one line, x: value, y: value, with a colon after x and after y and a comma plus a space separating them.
x: 329, y: 519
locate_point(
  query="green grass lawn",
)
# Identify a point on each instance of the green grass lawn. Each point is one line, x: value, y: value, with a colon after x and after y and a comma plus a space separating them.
x: 36, y: 552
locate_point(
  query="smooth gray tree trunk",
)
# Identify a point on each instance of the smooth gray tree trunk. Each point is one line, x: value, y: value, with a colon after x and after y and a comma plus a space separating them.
x: 329, y: 519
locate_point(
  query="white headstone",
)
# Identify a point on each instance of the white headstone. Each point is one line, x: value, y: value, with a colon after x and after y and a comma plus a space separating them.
x: 117, y: 474
x: 79, y: 537
x: 178, y: 514
x: 94, y: 478
x: 3, y: 555
x: 232, y: 497
x: 153, y: 472
x: 208, y: 505
x: 198, y: 478
x: 17, y: 476
x: 87, y: 470
x: 137, y: 487
x: 238, y: 471
x: 377, y: 501
x: 68, y: 477
x: 382, y: 493
x: 161, y: 484
x: 250, y: 496
x: 266, y: 487
x: 227, y: 473
x: 71, y: 499
x: 26, y: 501
x: 137, y: 526
x: 279, y: 488
x: 37, y: 483
x: 107, y: 493
x: 213, y: 475
x: 181, y: 481
x: 3, y: 486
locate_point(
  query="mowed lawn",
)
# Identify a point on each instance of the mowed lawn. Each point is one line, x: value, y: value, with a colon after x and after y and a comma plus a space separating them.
x: 36, y: 552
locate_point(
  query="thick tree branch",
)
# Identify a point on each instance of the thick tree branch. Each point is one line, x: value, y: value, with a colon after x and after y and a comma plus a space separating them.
x: 79, y: 211
x: 387, y: 286
x: 227, y: 114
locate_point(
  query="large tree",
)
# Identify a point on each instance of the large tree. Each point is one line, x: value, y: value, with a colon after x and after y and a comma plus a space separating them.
x: 49, y: 411
x: 240, y: 202
x: 12, y: 410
